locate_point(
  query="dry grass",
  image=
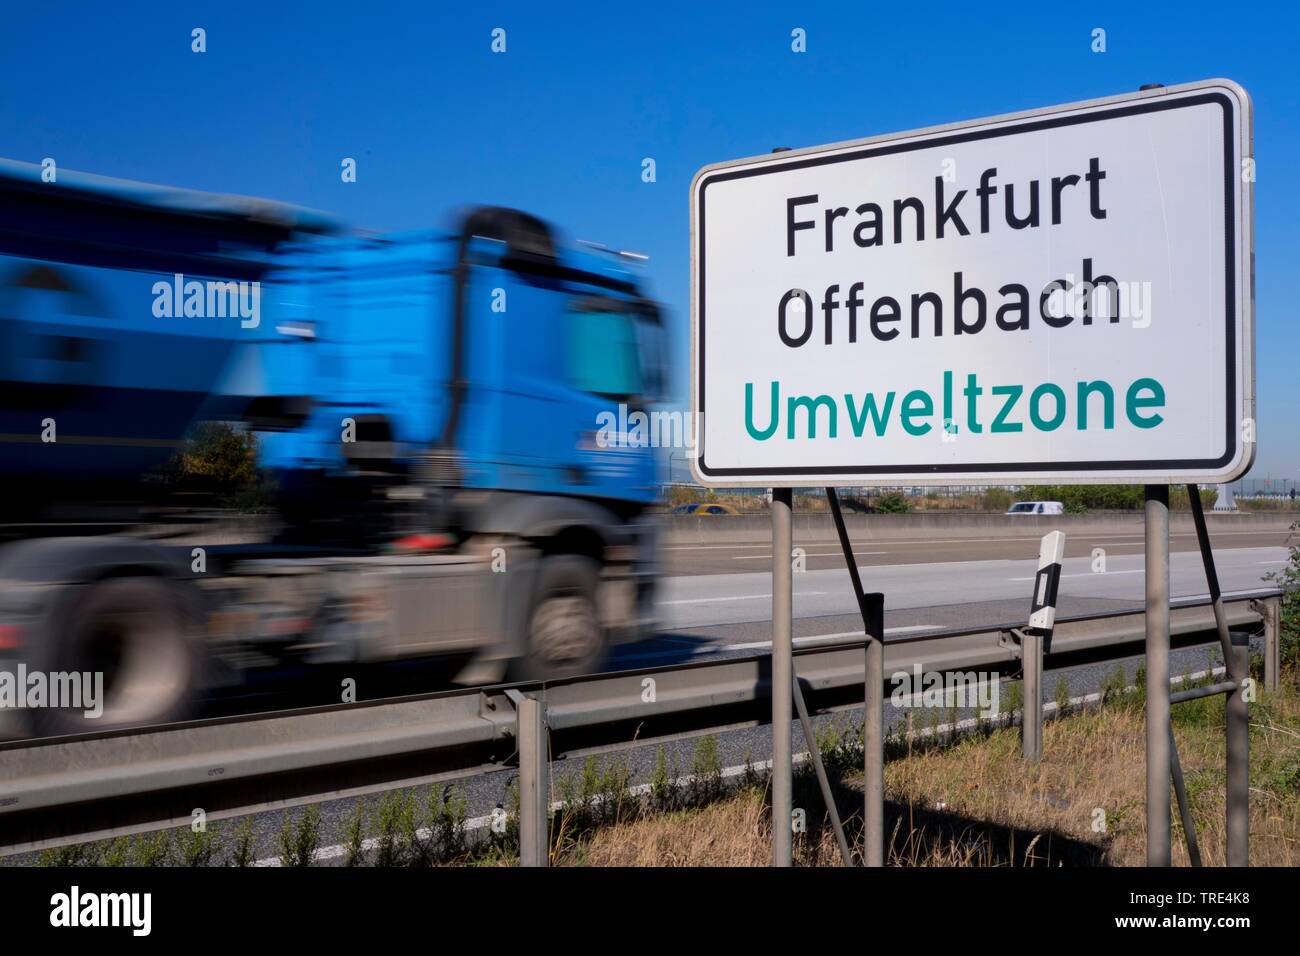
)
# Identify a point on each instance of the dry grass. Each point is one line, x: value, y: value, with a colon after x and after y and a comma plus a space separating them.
x: 1268, y: 504
x: 1093, y: 775
x: 737, y: 832
x: 976, y: 803
x: 722, y: 834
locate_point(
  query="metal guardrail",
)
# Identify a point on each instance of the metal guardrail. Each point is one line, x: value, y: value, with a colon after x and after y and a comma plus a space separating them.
x: 70, y: 789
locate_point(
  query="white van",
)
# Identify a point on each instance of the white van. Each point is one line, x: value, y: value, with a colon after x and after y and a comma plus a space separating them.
x: 1036, y: 508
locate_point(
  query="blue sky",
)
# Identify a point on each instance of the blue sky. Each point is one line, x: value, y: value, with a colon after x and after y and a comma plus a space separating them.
x: 560, y: 123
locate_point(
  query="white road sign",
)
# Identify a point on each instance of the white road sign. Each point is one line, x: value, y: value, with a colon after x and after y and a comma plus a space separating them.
x: 1059, y: 295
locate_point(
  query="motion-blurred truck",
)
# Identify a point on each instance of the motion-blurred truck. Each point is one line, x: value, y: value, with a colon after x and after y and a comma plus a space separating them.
x: 430, y: 407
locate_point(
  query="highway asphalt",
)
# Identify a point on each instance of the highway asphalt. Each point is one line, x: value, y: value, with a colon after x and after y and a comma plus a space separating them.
x: 823, y: 551
x: 719, y: 610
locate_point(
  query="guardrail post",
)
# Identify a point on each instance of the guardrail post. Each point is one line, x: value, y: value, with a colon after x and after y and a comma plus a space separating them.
x: 782, y: 679
x: 873, y: 733
x: 1238, y: 734
x: 534, y: 791
x: 1031, y: 720
x: 1272, y: 609
x: 1157, y: 674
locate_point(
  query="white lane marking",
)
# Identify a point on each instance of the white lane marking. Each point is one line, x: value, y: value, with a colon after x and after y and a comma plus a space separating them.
x: 1089, y: 574
x: 869, y: 540
x: 1243, y: 592
x: 739, y: 597
x: 820, y: 543
x: 1175, y: 534
x: 823, y: 554
x: 1086, y: 574
x: 810, y: 638
x: 710, y: 547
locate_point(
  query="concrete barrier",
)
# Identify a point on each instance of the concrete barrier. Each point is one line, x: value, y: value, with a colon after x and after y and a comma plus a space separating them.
x: 744, y: 529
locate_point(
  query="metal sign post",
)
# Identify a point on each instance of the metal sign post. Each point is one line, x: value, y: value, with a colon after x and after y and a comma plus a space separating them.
x: 873, y: 734
x: 1157, y: 674
x: 782, y: 678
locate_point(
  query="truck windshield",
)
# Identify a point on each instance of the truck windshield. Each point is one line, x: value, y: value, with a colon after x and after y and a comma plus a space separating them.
x: 613, y: 353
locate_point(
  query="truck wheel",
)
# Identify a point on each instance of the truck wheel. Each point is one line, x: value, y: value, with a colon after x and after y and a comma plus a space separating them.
x: 565, y: 636
x: 134, y: 632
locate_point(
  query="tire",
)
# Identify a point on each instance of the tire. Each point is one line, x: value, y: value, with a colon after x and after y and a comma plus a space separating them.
x: 564, y: 636
x: 135, y: 632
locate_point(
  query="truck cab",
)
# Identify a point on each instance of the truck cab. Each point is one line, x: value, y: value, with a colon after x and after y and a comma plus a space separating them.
x: 460, y: 382
x: 479, y: 360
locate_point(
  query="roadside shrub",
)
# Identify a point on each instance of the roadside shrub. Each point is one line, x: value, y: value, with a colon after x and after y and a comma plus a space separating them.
x: 78, y: 854
x: 242, y: 853
x: 1179, y: 500
x: 448, y: 811
x: 195, y: 848
x: 996, y: 499
x: 116, y: 852
x: 893, y: 503
x: 1062, y: 694
x: 688, y: 495
x: 706, y: 771
x: 1288, y: 579
x: 663, y: 783
x: 299, y: 838
x: 356, y: 836
x: 1083, y: 498
x: 1079, y: 499
x: 151, y: 849
x: 397, y: 825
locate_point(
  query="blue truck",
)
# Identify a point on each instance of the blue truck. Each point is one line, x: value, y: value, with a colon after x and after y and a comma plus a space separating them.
x: 429, y: 406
